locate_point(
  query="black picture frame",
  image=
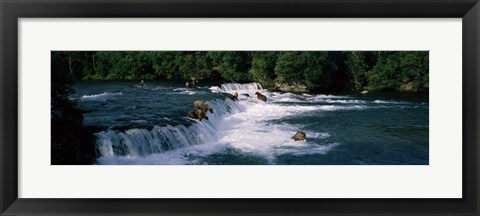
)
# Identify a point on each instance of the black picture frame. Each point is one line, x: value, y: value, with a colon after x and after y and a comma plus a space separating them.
x: 12, y: 10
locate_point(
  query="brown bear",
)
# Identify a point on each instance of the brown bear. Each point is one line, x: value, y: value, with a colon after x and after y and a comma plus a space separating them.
x: 197, y: 114
x: 233, y: 97
x: 299, y: 136
x: 203, y: 106
x: 261, y: 97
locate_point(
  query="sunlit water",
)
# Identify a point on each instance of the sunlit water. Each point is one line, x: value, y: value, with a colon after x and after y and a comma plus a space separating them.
x: 149, y: 125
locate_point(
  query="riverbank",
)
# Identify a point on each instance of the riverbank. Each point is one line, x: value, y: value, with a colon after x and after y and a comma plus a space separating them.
x: 316, y: 70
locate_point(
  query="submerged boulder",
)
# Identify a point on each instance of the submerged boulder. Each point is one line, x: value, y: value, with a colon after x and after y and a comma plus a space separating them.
x: 292, y: 88
x: 203, y: 106
x: 261, y: 97
x: 299, y: 136
x: 197, y: 114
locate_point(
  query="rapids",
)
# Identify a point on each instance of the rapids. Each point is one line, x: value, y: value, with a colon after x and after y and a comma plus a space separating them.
x: 148, y: 125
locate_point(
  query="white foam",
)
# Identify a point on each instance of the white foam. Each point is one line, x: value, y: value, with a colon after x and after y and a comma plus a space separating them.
x: 288, y: 100
x: 143, y: 142
x: 242, y: 126
x: 185, y: 91
x: 316, y: 135
x: 321, y: 149
x: 341, y: 107
x: 322, y: 96
x: 190, y: 155
x: 158, y: 88
x: 344, y: 101
x: 307, y: 98
x: 390, y: 102
x: 231, y: 87
x: 245, y: 126
x: 215, y: 89
x: 101, y: 96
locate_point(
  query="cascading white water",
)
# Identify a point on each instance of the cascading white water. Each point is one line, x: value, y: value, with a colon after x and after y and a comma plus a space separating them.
x: 230, y: 87
x: 142, y: 142
x: 245, y: 131
x: 243, y: 125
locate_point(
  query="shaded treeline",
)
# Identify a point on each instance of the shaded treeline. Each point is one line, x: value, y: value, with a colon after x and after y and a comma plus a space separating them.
x: 317, y: 70
x: 70, y: 143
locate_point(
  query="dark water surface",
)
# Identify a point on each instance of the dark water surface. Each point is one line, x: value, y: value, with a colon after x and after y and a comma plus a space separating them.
x: 149, y: 125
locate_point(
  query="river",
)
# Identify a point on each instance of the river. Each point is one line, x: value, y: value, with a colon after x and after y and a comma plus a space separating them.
x: 146, y: 125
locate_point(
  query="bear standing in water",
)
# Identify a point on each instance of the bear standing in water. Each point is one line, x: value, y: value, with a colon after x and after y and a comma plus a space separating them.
x: 299, y: 136
x: 197, y: 114
x: 261, y: 97
x: 233, y: 97
x: 203, y: 106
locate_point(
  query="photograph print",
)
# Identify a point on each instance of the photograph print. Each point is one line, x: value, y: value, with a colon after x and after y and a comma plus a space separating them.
x: 239, y: 107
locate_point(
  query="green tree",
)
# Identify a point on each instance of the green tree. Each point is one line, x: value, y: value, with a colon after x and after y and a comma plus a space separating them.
x: 289, y: 67
x: 357, y: 68
x: 303, y: 68
x: 194, y: 66
x: 413, y: 70
x: 385, y: 73
x: 165, y: 65
x: 318, y: 70
x: 315, y: 73
x: 232, y: 66
x: 263, y: 68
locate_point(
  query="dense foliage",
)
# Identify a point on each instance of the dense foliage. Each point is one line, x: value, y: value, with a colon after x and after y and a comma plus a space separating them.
x: 317, y: 70
x: 68, y: 144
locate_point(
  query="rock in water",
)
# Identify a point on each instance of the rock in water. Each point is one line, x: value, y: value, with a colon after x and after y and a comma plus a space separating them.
x: 294, y: 88
x: 197, y: 114
x: 261, y: 97
x: 202, y: 106
x: 299, y: 136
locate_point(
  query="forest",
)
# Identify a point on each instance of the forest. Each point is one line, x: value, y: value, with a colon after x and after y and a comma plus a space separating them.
x: 318, y: 71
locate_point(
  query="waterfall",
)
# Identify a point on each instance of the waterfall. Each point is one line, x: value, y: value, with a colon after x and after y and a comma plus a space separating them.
x: 142, y: 142
x: 230, y: 87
